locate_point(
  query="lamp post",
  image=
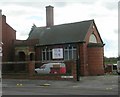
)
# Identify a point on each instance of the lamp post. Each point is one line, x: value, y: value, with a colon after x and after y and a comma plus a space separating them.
x: 78, y: 63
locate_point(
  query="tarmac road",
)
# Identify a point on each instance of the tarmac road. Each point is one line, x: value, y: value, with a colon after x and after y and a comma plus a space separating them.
x: 90, y: 85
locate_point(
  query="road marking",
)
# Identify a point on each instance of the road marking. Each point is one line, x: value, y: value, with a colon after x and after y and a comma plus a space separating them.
x: 108, y: 88
x: 75, y: 86
x: 44, y: 85
x: 19, y: 85
x: 40, y: 86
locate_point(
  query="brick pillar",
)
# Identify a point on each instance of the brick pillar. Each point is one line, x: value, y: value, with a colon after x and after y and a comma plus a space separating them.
x: 31, y: 68
x: 73, y: 64
x: 83, y: 60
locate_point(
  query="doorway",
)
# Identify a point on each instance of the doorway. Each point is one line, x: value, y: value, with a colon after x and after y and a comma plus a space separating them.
x: 21, y: 65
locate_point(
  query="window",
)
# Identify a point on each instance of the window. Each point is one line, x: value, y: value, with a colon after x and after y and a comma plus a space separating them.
x: 66, y: 53
x: 74, y: 53
x: 92, y: 39
x: 69, y: 53
x: 49, y: 54
x: 46, y: 54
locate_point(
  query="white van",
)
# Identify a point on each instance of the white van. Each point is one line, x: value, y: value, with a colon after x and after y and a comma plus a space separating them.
x: 46, y: 68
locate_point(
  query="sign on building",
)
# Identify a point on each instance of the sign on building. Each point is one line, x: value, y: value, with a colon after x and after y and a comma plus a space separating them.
x: 57, y: 53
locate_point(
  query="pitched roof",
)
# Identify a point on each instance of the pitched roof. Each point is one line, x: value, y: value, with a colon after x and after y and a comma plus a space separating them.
x: 65, y: 33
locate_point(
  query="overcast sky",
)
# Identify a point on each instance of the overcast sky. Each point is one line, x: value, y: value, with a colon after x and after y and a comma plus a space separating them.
x: 21, y: 15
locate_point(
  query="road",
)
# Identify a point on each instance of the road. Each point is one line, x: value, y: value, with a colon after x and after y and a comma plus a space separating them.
x: 91, y: 85
x: 57, y: 91
x: 0, y: 87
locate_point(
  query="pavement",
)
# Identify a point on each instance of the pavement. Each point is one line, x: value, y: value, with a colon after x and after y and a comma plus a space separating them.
x: 87, y: 83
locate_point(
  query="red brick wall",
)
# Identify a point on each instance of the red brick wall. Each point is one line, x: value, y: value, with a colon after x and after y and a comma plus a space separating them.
x: 38, y: 54
x: 8, y: 35
x: 83, y: 60
x: 95, y: 60
x: 94, y: 53
x: 91, y: 59
x: 31, y: 68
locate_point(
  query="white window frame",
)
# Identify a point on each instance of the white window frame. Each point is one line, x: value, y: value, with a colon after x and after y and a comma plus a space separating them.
x: 92, y: 38
x: 68, y: 50
x: 44, y: 58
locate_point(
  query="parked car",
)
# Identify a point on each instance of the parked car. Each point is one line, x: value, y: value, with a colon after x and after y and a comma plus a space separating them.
x: 53, y: 68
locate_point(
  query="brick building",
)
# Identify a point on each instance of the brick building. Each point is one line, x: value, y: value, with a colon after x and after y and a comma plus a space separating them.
x: 8, y: 36
x: 79, y: 42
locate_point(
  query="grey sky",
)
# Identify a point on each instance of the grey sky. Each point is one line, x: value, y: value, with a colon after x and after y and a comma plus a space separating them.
x: 21, y: 15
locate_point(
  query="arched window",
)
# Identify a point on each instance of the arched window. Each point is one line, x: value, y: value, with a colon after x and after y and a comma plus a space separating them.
x: 92, y: 38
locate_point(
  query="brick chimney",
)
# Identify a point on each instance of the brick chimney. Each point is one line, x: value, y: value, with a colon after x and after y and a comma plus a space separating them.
x: 49, y: 16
